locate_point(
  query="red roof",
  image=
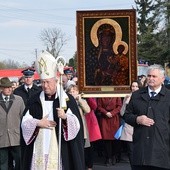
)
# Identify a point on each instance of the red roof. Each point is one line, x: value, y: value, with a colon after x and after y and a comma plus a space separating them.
x: 15, y: 73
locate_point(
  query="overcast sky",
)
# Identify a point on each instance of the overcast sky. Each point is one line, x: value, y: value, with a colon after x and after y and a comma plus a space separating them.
x: 21, y: 22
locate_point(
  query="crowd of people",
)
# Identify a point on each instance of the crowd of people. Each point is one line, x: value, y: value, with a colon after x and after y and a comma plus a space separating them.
x: 52, y: 127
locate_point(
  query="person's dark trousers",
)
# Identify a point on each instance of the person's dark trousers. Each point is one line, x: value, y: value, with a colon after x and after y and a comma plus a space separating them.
x: 99, y: 147
x: 130, y: 151
x: 88, y: 156
x: 16, y: 154
x: 108, y: 148
x: 147, y: 168
x: 117, y: 148
x: 10, y: 162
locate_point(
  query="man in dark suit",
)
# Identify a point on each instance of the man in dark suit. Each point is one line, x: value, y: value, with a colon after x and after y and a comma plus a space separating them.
x: 149, y: 112
x: 28, y: 89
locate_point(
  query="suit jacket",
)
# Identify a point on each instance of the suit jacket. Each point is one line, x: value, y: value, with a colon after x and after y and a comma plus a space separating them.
x: 10, y: 121
x: 21, y: 91
x: 151, y: 144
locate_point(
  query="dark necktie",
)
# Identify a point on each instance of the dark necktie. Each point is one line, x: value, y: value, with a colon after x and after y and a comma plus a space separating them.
x: 6, y: 98
x: 28, y: 90
x: 6, y: 101
x: 152, y: 93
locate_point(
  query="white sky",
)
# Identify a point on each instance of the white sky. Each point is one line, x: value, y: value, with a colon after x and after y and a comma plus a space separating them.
x: 21, y: 22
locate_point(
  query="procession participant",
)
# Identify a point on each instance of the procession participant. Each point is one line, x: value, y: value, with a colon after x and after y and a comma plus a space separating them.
x: 28, y: 88
x: 149, y: 113
x: 40, y: 124
x: 109, y: 122
x: 11, y: 109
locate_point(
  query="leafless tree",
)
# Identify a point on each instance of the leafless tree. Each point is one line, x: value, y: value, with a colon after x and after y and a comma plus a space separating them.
x: 10, y: 64
x: 54, y: 39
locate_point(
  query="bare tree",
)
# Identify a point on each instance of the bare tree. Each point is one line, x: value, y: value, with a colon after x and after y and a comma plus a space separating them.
x: 10, y: 64
x: 54, y: 39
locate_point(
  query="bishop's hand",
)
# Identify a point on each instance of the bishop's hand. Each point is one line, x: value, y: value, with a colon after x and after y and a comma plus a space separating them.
x: 61, y: 113
x: 45, y: 123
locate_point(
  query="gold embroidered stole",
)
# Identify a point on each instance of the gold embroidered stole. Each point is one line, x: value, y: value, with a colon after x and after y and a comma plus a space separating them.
x: 53, y: 152
x: 39, y: 154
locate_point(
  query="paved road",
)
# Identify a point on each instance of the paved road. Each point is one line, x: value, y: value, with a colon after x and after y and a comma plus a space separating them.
x: 118, y: 166
x: 100, y: 165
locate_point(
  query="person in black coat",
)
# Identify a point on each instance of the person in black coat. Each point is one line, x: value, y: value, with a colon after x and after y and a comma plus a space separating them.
x: 149, y: 112
x: 28, y: 88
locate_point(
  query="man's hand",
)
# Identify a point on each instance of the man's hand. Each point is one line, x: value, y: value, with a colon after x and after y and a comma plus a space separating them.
x: 61, y: 113
x: 144, y: 120
x: 45, y: 123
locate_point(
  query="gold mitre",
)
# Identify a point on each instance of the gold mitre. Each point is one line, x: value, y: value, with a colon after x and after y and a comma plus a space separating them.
x: 46, y: 65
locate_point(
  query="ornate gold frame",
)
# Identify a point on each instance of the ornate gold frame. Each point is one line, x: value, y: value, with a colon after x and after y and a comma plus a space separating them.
x: 124, y: 24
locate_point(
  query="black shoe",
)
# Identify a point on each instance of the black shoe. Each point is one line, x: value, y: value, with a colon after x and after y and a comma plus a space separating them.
x: 118, y: 158
x: 114, y: 160
x: 109, y: 162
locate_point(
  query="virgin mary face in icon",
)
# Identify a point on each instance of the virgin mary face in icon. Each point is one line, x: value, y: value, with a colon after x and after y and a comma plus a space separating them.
x: 106, y: 38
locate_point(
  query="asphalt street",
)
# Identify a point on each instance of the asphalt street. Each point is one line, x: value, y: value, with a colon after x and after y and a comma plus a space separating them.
x: 99, y: 163
x: 118, y: 166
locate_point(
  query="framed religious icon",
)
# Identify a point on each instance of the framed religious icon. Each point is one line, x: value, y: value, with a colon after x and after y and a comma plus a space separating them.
x: 106, y: 50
